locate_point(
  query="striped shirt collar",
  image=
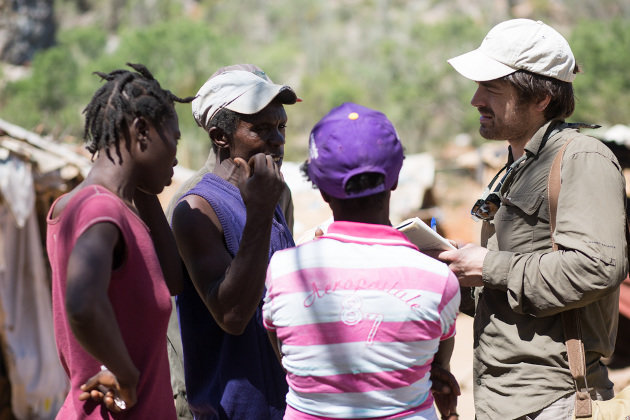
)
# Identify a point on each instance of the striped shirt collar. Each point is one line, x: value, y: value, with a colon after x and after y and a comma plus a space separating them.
x: 367, y: 233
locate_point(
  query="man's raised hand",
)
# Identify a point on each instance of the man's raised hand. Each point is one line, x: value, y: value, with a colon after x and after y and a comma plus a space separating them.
x: 260, y: 182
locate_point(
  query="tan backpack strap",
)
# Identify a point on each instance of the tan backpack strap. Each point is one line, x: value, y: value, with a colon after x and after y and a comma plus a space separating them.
x: 570, y: 319
x: 553, y: 189
x: 577, y: 362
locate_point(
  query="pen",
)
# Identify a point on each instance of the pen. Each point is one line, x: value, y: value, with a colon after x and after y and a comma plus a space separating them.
x: 120, y: 403
x: 433, y: 224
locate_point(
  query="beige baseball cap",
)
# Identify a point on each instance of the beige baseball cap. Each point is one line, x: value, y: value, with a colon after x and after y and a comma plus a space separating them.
x: 252, y: 68
x: 246, y: 91
x: 518, y: 44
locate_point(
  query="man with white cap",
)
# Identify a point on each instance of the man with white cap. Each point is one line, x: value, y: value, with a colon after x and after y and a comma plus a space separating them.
x: 175, y: 352
x: 524, y: 71
x: 226, y: 228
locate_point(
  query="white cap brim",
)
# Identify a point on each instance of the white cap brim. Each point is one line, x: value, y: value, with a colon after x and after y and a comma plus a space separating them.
x: 477, y: 66
x: 239, y: 91
x: 259, y: 96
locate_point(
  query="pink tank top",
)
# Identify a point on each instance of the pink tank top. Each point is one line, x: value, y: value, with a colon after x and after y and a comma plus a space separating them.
x: 138, y: 294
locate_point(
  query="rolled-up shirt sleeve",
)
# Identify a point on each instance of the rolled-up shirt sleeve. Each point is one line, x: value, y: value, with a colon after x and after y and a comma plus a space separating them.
x: 590, y: 232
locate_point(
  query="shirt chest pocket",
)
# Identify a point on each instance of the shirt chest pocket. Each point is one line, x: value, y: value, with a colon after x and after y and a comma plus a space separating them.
x: 522, y: 222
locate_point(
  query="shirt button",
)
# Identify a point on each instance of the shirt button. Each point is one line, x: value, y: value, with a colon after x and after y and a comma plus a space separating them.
x: 478, y: 381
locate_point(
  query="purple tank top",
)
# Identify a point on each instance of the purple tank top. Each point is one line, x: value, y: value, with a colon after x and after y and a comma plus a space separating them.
x: 228, y: 376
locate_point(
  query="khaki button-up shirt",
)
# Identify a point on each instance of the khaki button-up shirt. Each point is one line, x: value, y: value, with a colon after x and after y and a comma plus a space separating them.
x: 520, y: 363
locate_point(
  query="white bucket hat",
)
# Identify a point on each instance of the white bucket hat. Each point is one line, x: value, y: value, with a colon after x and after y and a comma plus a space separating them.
x: 518, y: 44
x: 239, y: 91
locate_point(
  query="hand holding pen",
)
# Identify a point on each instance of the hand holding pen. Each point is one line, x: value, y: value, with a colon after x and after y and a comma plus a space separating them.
x: 105, y: 387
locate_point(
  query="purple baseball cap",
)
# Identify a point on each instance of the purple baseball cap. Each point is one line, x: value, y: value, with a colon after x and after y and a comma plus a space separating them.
x: 352, y: 139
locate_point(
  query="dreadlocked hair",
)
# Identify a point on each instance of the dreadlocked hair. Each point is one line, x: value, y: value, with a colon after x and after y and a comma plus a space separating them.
x: 125, y: 96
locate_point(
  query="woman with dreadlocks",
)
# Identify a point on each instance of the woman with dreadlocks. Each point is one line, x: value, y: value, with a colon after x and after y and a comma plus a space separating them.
x: 113, y: 257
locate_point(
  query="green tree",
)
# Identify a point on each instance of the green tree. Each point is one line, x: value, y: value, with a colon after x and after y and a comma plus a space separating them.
x: 46, y: 94
x: 601, y: 49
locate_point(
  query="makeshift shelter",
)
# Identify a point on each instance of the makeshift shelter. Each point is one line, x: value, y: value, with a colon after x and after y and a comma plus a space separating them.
x: 34, y: 171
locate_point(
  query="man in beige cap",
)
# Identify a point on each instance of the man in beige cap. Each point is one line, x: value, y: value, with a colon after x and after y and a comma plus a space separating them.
x: 226, y: 227
x: 524, y: 71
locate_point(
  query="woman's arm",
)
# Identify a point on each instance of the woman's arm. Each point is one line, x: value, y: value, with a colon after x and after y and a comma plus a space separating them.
x: 92, y: 317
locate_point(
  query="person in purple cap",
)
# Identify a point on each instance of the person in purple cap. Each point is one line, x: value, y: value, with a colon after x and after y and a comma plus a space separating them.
x: 226, y: 227
x: 358, y: 315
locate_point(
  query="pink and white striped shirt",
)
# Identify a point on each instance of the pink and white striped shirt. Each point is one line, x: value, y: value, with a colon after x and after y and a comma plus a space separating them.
x: 359, y: 314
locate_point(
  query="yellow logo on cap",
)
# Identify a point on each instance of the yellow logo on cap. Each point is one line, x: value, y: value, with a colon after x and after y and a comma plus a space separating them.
x: 353, y: 116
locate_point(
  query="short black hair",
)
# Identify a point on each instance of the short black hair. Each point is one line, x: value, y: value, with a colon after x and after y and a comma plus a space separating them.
x: 125, y: 96
x: 361, y: 182
x: 534, y: 87
x: 364, y: 181
x: 356, y: 183
x: 227, y: 120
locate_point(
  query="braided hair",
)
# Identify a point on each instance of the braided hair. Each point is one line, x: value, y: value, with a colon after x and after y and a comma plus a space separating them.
x: 125, y: 96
